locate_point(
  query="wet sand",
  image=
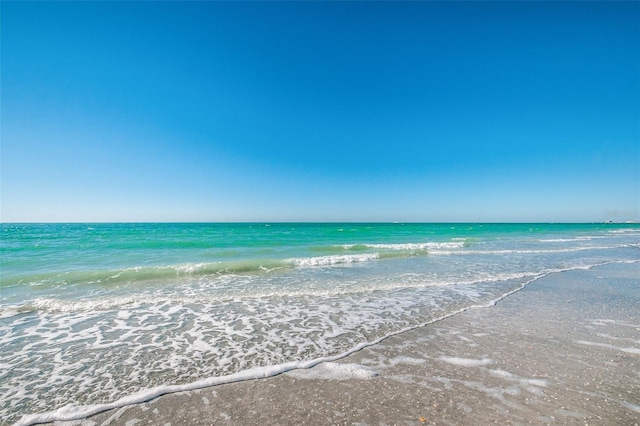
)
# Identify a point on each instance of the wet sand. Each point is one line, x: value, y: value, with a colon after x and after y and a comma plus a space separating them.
x: 564, y: 350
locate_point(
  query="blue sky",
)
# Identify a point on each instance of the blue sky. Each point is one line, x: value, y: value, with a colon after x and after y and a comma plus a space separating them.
x: 340, y: 111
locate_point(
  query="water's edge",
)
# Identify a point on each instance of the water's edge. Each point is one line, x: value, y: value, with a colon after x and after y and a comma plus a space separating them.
x: 72, y: 412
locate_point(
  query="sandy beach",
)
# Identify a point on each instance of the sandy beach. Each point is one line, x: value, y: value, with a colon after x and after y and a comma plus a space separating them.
x: 564, y: 350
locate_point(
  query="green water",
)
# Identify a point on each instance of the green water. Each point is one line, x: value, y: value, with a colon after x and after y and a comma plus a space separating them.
x: 92, y: 313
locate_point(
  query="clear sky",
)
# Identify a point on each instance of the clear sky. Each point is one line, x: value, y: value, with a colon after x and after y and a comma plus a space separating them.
x: 339, y: 111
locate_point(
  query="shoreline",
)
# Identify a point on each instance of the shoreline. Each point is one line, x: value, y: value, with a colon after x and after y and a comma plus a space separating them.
x: 565, y: 348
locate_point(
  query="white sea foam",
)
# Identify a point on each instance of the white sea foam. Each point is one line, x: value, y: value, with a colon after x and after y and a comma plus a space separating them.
x: 466, y: 362
x: 601, y: 322
x: 209, y: 292
x: 8, y: 312
x: 329, y: 370
x: 580, y: 238
x: 167, y: 336
x: 503, y: 374
x: 334, y: 260
x: 335, y: 371
x: 190, y: 268
x: 406, y: 360
x: 635, y: 351
x: 91, y: 331
x: 630, y: 231
x: 532, y: 251
x: 418, y: 246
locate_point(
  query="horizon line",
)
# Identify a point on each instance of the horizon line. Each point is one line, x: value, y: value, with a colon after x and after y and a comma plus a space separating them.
x: 609, y: 222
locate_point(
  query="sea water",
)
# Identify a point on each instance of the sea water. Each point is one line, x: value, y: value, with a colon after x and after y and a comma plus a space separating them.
x: 95, y: 316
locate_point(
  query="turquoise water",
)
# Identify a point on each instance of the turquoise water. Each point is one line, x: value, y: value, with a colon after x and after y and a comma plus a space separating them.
x: 93, y: 313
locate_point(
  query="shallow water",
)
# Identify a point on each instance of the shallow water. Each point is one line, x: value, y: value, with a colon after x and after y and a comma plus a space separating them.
x: 92, y: 313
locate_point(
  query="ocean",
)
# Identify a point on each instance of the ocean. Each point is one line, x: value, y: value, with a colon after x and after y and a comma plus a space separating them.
x: 97, y: 316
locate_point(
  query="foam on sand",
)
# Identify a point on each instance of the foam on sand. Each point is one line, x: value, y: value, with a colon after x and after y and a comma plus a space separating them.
x: 76, y: 412
x: 335, y: 371
x: 477, y: 391
x: 466, y: 362
x: 635, y: 351
x: 73, y: 412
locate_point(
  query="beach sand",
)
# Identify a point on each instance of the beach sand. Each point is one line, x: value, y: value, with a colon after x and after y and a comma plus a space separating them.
x: 564, y: 350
